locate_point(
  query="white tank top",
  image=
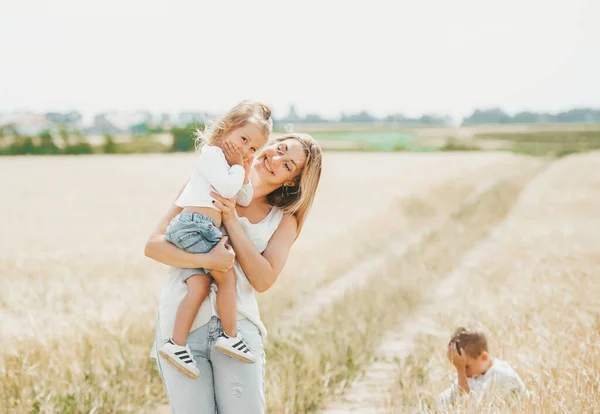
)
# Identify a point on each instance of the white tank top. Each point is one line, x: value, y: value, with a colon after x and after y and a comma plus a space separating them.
x: 174, y: 289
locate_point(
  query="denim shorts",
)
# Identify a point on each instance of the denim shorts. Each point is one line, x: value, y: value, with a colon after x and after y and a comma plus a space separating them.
x: 194, y: 233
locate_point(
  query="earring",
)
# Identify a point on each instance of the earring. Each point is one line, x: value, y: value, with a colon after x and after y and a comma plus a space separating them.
x: 284, y: 191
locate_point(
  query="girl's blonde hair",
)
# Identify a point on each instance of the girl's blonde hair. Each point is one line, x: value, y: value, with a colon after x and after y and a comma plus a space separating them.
x: 237, y: 117
x: 298, y: 198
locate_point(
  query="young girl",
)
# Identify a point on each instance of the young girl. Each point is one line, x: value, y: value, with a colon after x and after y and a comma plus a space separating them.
x: 223, y: 165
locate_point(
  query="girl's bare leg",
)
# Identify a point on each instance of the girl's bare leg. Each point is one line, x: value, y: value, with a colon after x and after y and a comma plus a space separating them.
x: 198, y: 287
x: 227, y: 301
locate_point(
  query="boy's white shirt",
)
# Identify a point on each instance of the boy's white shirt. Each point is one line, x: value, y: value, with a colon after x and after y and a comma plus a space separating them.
x: 501, y: 380
x: 213, y: 172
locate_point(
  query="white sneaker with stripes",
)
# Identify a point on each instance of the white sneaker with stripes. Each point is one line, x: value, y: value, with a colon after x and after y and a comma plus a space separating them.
x: 235, y: 347
x: 180, y: 357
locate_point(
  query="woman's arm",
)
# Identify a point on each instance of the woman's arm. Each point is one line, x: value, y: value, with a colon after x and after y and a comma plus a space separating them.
x: 220, y: 258
x: 262, y: 270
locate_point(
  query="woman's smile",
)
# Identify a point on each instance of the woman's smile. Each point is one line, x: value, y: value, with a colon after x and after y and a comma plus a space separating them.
x: 267, y: 165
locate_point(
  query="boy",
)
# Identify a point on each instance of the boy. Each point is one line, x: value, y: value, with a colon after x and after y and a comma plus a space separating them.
x: 479, y: 374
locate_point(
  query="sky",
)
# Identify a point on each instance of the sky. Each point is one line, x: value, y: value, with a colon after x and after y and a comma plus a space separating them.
x: 326, y: 57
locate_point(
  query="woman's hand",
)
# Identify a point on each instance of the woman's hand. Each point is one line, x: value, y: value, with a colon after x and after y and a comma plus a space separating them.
x: 226, y: 206
x: 222, y: 255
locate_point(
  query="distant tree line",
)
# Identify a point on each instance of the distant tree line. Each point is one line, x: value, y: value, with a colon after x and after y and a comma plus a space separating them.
x: 71, y: 117
x: 479, y: 116
x: 498, y: 116
x: 44, y: 143
x: 183, y: 137
x: 163, y: 123
x: 362, y: 117
x: 65, y: 138
x: 73, y: 142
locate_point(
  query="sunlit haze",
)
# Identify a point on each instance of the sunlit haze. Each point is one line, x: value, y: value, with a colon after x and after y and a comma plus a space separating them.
x: 325, y: 57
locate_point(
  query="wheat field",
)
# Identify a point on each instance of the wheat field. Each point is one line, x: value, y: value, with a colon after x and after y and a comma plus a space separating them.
x: 78, y: 300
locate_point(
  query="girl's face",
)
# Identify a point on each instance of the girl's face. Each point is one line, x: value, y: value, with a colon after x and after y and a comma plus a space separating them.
x: 280, y: 162
x: 249, y: 139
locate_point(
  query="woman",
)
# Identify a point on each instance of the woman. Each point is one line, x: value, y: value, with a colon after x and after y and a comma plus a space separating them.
x: 285, y: 176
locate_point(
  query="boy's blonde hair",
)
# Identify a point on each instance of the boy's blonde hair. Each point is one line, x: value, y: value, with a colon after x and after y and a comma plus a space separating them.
x: 297, y: 199
x: 473, y: 342
x: 237, y: 117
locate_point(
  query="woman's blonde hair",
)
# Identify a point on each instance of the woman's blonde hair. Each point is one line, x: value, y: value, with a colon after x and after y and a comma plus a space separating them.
x: 237, y: 117
x: 298, y: 198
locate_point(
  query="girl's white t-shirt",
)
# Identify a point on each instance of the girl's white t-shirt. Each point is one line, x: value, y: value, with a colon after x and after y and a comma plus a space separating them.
x: 213, y: 172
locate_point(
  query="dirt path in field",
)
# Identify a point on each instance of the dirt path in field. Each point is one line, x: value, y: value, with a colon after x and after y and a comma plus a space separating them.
x: 317, y: 265
x: 358, y: 276
x: 303, y: 377
x: 371, y: 392
x: 413, y: 234
x: 545, y: 216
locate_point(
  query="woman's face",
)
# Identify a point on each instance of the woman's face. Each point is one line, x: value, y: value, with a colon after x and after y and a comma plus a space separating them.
x: 280, y: 162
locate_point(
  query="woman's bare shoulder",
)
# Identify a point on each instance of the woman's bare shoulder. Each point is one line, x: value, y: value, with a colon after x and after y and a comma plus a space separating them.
x: 289, y: 221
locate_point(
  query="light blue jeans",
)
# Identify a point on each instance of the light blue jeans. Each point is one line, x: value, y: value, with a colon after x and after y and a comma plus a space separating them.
x: 225, y: 385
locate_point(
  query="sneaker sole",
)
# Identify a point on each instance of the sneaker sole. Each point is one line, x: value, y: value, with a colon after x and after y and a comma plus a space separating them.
x: 178, y: 367
x: 234, y: 355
